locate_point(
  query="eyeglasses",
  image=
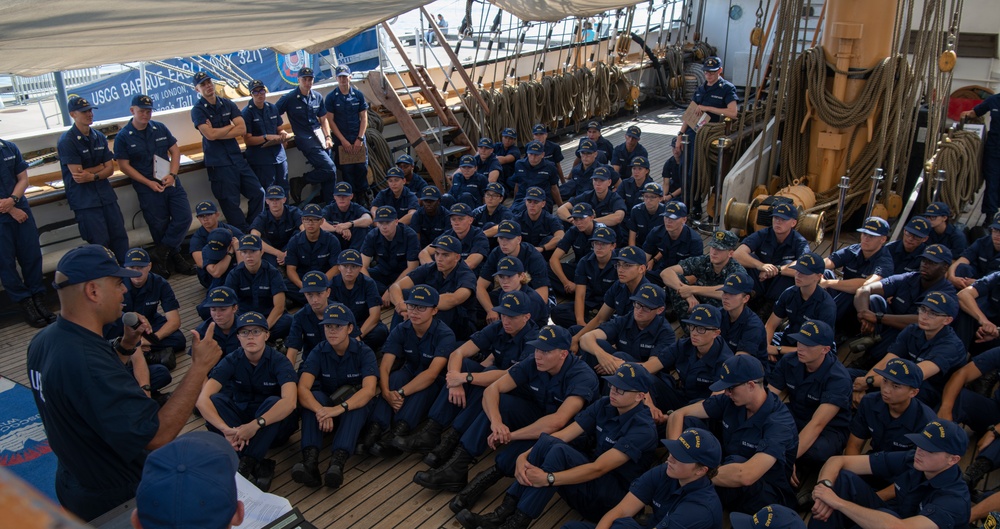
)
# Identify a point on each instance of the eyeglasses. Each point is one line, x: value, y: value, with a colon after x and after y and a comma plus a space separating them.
x: 416, y: 308
x: 926, y: 311
x: 702, y: 330
x: 639, y: 307
x: 729, y: 391
x: 624, y: 266
x: 258, y: 91
x: 618, y: 391
x: 246, y: 333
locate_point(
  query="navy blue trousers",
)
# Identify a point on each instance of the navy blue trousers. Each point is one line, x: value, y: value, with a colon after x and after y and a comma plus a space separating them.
x: 167, y: 214
x: 346, y: 428
x: 21, y: 247
x: 231, y: 181
x: 104, y: 225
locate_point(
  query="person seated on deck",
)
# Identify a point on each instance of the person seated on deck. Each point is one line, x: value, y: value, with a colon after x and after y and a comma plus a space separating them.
x: 487, y: 163
x: 467, y: 184
x: 635, y: 337
x: 944, y: 232
x: 631, y: 189
x: 414, y: 182
x: 742, y: 329
x: 976, y: 325
x: 885, y: 307
x: 771, y: 252
x: 609, y: 208
x: 628, y: 150
x: 223, y: 306
x: 507, y: 153
x: 552, y: 150
x: 931, y: 343
x: 603, y: 147
x: 817, y: 390
x: 145, y: 295
x: 492, y: 212
x: 685, y: 499
x: 535, y: 171
x: 577, y: 239
x: 645, y: 214
x: 759, y: 439
x: 799, y: 302
x: 422, y: 342
x: 497, y: 347
x: 884, y: 418
x: 394, y: 249
x: 531, y: 399
x: 260, y: 288
x: 583, y: 170
x: 697, y: 279
x: 307, y: 331
x: 630, y: 265
x: 591, y: 480
x: 906, y: 251
x: 311, y: 249
x: 397, y: 195
x: 451, y: 278
x: 671, y: 242
x: 509, y: 244
x: 929, y: 491
x: 510, y: 276
x: 862, y: 263
x: 208, y: 216
x: 218, y: 257
x: 431, y: 219
x: 249, y: 398
x: 475, y: 245
x: 595, y: 274
x: 276, y: 225
x: 345, y: 218
x: 338, y: 384
x: 359, y: 293
x: 542, y: 229
x: 980, y: 259
x: 671, y: 176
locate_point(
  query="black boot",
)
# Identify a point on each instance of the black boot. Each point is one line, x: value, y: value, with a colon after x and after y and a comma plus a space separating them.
x: 977, y: 470
x: 296, y: 186
x: 443, y: 451
x: 468, y: 496
x: 984, y: 384
x: 518, y: 520
x: 453, y: 476
x: 181, y: 264
x: 265, y: 473
x: 307, y: 472
x: 31, y: 315
x: 160, y: 256
x: 382, y: 448
x: 423, y: 440
x: 371, y: 434
x: 335, y: 474
x: 43, y: 311
x: 492, y: 520
x: 248, y: 467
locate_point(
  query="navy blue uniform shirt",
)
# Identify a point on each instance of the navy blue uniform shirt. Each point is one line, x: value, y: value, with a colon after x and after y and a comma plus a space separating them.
x: 278, y: 231
x: 597, y: 280
x: 622, y: 158
x: 687, y: 244
x: 945, y: 350
x: 641, y: 221
x: 718, y: 95
x: 696, y: 374
x: 830, y: 384
x: 533, y: 262
x: 303, y: 113
x: 429, y: 228
x: 624, y: 334
x: 952, y: 238
x: 346, y: 110
x: 525, y: 175
x: 249, y: 385
x: 306, y: 331
x: 764, y: 245
x: 632, y: 433
x: 200, y: 236
x: 359, y: 299
x: 944, y: 499
x: 855, y: 265
x: 538, y: 232
x: 905, y: 291
x: 693, y: 506
x: 86, y: 151
x: 574, y: 379
x: 418, y: 352
x: 507, y: 350
x: 618, y: 297
x: 218, y: 153
x: 485, y: 220
x: 228, y: 342
x: 819, y: 306
x: 983, y: 256
x: 988, y: 299
x: 905, y: 262
x: 256, y: 291
x: 403, y: 203
x: 391, y: 255
x: 872, y: 420
x: 263, y: 122
x: 140, y: 146
x: 333, y: 370
x: 746, y: 334
x: 307, y: 256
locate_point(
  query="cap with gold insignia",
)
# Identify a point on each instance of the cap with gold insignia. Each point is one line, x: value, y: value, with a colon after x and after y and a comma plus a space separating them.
x: 875, y: 226
x: 220, y: 297
x: 251, y: 319
x: 485, y: 142
x: 633, y: 132
x: 640, y: 161
x: 713, y: 64
x: 810, y: 263
x: 937, y: 209
x: 205, y: 207
x: 508, y: 229
x: 902, y: 371
x: 349, y: 257
x: 704, y: 315
x: 250, y: 242
x: 652, y: 188
x: 737, y: 370
x: 602, y: 173
x: 343, y: 189
x: 315, y: 281
x: 385, y: 214
x: 581, y: 211
x: 430, y: 193
x: 312, y: 210
x: 941, y: 436
x: 142, y: 101
x: 921, y: 227
x: 603, y: 234
x: 535, y: 193
x: 550, y: 338
x: 305, y: 72
x: 137, y: 257
x: 513, y: 303
x: 941, y: 303
x: 586, y: 147
x: 813, y: 333
x: 785, y: 211
x: 675, y: 209
x: 200, y: 77
x: 649, y: 295
x: 937, y: 253
x: 337, y: 314
x: 631, y: 254
x: 509, y: 266
x: 737, y: 283
x: 447, y: 243
x: 629, y: 377
x: 770, y: 517
x: 89, y: 262
x: 695, y: 446
x: 394, y: 172
x: 423, y: 296
x: 534, y: 147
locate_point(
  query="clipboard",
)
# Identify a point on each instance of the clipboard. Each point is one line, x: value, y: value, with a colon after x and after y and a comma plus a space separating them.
x: 345, y: 158
x: 693, y: 117
x: 161, y: 167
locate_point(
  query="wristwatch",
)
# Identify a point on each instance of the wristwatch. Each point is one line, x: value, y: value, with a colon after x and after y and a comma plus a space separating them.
x: 117, y: 344
x: 400, y: 391
x: 551, y: 478
x: 261, y: 421
x: 826, y: 483
x: 345, y: 406
x: 15, y: 198
x: 147, y: 387
x: 993, y: 430
x: 468, y: 378
x: 870, y: 380
x: 878, y: 317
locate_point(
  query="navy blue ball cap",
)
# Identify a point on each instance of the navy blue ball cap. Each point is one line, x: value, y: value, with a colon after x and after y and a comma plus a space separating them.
x: 385, y: 214
x: 251, y: 319
x: 770, y: 517
x: 90, y: 262
x: 539, y: 129
x: 937, y: 209
x: 633, y: 132
x: 632, y: 254
x: 586, y: 147
x: 200, y: 77
x: 785, y: 211
x: 430, y: 193
x: 596, y: 125
x: 349, y: 256
x: 221, y: 297
x: 343, y: 189
x: 603, y: 234
x: 315, y: 281
x: 197, y: 468
x: 423, y: 296
x: 602, y: 173
x: 902, y: 371
x: 875, y: 226
x: 142, y: 101
x: 640, y: 161
x: 941, y: 436
x: 460, y: 209
x: 996, y: 221
x: 535, y: 193
x: 250, y: 242
x: 514, y: 303
x: 581, y: 211
x: 496, y: 187
x: 940, y: 303
x: 137, y: 257
x: 221, y: 235
x: 341, y: 70
x: 276, y: 192
x: 508, y: 229
x: 534, y: 147
x: 810, y: 263
x: 737, y: 370
x: 675, y: 209
x: 737, y: 283
x: 79, y: 104
x: 509, y: 133
x: 937, y: 253
x: 394, y: 172
x: 467, y: 161
x: 695, y: 445
x: 713, y: 64
x: 257, y: 84
x: 205, y: 207
x: 337, y: 314
x: 813, y: 333
x: 509, y: 266
x: 485, y: 142
x: 550, y: 338
x: 704, y: 315
x: 629, y: 377
x: 305, y: 72
x: 921, y: 227
x: 405, y: 158
x: 652, y: 188
x: 312, y: 211
x: 447, y: 243
x: 650, y: 296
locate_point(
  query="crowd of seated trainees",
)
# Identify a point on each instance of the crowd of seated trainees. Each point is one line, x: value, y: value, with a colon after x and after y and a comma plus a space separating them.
x: 749, y: 393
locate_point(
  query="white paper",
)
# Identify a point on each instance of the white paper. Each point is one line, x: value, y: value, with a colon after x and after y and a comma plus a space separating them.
x: 320, y: 137
x: 161, y: 167
x: 260, y: 508
x: 185, y: 160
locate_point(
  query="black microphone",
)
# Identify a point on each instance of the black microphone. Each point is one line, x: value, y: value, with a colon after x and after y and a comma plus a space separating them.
x: 131, y: 319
